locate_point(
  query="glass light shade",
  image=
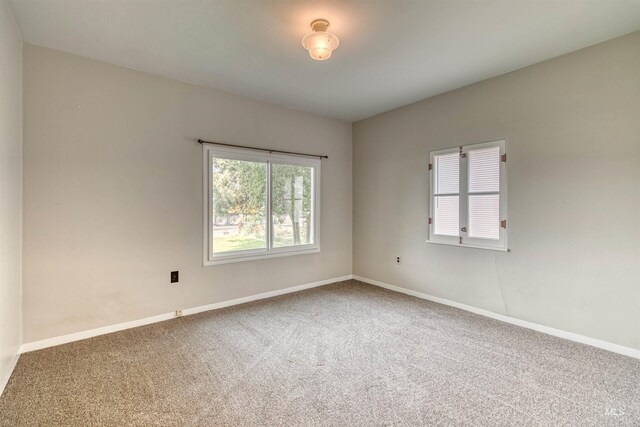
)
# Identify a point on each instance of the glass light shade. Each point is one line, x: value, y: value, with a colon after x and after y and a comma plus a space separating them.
x: 320, y: 44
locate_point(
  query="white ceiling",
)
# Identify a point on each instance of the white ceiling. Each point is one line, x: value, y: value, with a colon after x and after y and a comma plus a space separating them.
x: 391, y: 53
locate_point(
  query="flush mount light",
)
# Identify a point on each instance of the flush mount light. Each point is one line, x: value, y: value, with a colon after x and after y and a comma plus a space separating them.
x: 319, y: 42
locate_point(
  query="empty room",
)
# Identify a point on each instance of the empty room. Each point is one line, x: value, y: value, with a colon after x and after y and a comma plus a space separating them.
x: 319, y: 213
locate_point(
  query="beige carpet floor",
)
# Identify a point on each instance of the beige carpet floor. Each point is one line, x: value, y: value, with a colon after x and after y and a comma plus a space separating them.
x: 346, y: 354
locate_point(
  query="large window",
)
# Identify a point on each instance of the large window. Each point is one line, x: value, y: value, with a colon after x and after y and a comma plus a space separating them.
x: 468, y: 203
x: 259, y: 205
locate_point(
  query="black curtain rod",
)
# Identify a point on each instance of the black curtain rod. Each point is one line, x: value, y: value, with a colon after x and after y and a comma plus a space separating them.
x: 201, y: 141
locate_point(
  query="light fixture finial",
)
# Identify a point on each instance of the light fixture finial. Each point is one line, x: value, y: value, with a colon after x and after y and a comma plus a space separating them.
x: 319, y: 25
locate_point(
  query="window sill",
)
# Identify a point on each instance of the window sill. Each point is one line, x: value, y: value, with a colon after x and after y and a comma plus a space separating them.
x: 462, y: 245
x: 229, y: 259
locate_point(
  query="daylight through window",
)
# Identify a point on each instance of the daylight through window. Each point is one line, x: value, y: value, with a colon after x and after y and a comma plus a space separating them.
x: 259, y: 205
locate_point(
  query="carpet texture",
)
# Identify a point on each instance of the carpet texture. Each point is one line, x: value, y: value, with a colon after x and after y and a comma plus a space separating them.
x: 346, y: 354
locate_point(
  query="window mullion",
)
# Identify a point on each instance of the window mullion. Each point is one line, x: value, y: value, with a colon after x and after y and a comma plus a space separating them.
x: 269, y: 216
x: 502, y: 195
x: 209, y: 189
x: 483, y: 193
x: 463, y: 195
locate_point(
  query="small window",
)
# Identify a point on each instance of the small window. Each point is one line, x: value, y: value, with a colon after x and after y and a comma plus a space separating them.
x: 468, y: 196
x: 259, y: 205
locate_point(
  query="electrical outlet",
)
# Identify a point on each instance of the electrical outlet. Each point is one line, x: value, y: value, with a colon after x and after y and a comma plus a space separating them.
x: 179, y: 312
x: 397, y: 260
x: 175, y: 276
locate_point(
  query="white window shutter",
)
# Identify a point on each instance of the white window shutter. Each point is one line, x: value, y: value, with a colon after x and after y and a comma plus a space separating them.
x: 484, y: 193
x: 446, y: 209
x: 468, y: 203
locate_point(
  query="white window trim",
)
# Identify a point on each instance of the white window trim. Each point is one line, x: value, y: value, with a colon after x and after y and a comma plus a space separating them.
x: 496, y: 245
x: 210, y: 258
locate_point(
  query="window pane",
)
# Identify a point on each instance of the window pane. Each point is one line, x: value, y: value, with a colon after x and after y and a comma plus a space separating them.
x: 292, y: 205
x: 484, y: 216
x: 239, y: 205
x: 484, y: 169
x: 447, y: 168
x: 446, y: 215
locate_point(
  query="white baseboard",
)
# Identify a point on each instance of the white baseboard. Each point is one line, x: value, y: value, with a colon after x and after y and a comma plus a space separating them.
x: 605, y: 345
x: 12, y: 365
x: 77, y: 336
x: 264, y: 295
x: 50, y: 342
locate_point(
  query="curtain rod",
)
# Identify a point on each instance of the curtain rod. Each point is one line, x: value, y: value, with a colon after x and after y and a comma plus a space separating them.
x: 201, y: 141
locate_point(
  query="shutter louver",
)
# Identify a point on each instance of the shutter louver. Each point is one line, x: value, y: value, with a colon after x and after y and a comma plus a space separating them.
x: 447, y: 213
x: 484, y: 216
x: 447, y: 174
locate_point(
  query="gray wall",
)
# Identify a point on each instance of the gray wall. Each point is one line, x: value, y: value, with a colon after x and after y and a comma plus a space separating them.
x: 10, y: 191
x: 572, y: 126
x: 113, y: 193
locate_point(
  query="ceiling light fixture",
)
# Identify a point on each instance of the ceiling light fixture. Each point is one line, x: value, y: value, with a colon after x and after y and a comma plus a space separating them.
x: 319, y: 42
